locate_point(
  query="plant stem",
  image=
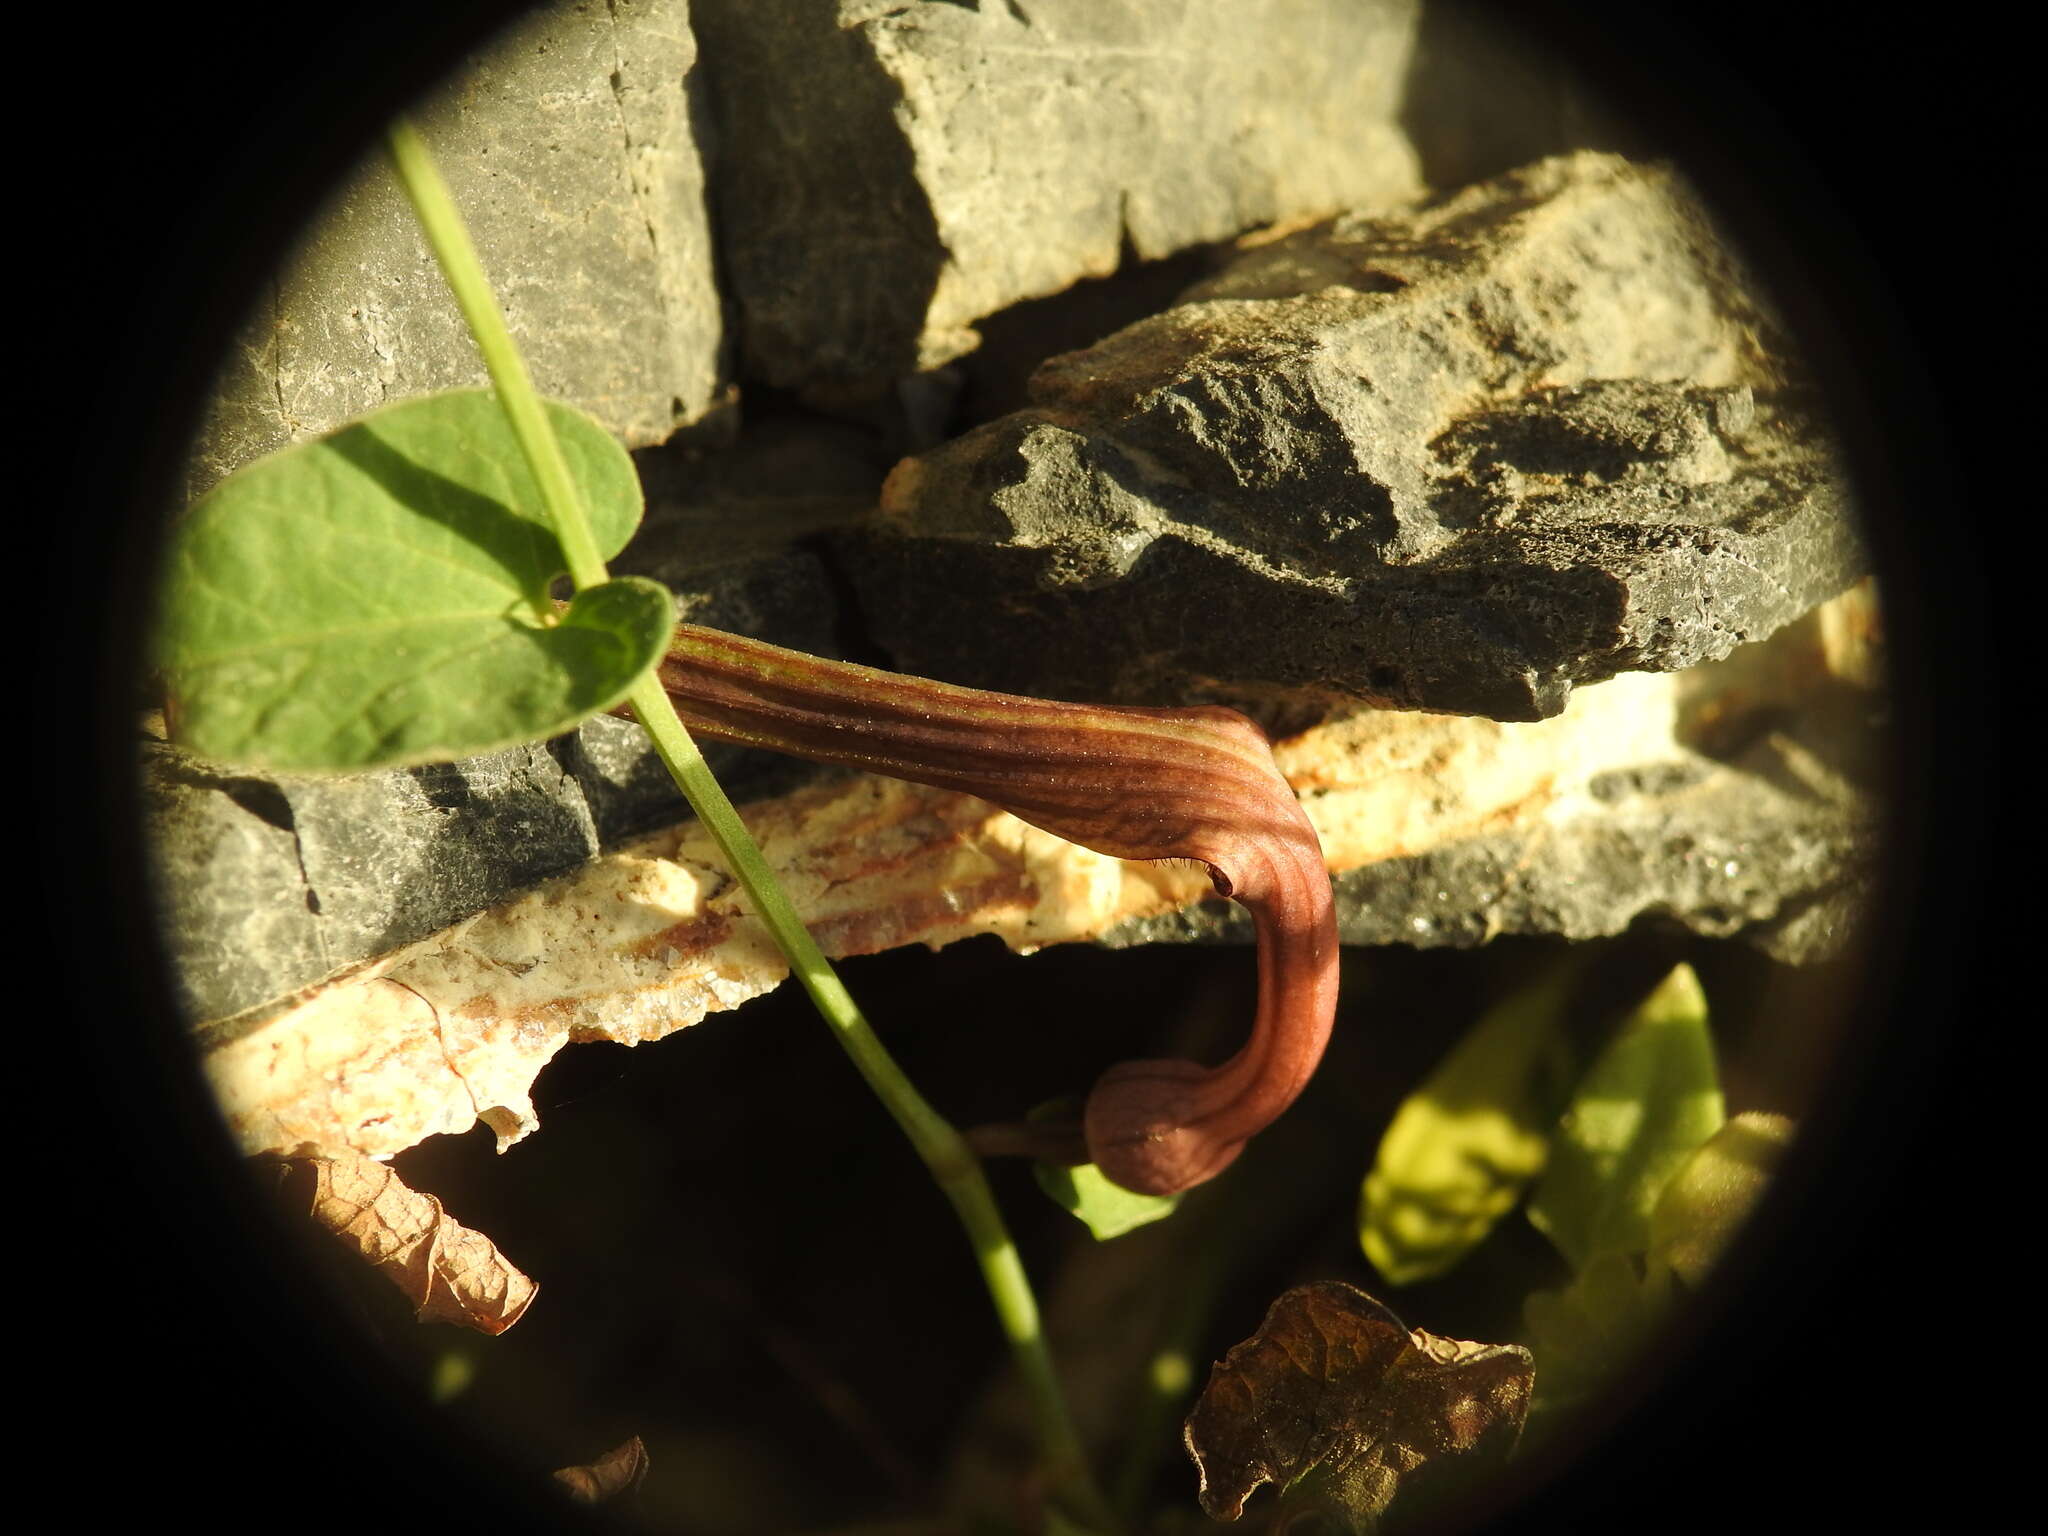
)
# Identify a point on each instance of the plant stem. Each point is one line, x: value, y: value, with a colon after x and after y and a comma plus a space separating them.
x: 448, y: 237
x: 952, y: 1163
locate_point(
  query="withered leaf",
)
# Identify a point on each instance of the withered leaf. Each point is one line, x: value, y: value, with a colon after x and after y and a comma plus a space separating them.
x: 1332, y: 1388
x: 449, y: 1273
x: 617, y: 1471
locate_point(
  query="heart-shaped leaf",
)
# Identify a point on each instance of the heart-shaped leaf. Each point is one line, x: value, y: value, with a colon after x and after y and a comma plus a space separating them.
x: 379, y: 596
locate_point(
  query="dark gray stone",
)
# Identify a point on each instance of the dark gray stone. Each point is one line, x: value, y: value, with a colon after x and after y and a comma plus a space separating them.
x: 1460, y: 460
x: 233, y: 906
x: 569, y: 149
x: 1713, y: 849
x: 887, y: 174
x: 1464, y: 459
x: 267, y: 883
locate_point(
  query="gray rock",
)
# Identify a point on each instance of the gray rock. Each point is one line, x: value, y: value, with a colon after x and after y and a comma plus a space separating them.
x: 569, y: 149
x: 1720, y: 856
x: 888, y: 174
x: 268, y: 883
x: 1463, y: 459
x: 233, y: 909
x: 1715, y: 849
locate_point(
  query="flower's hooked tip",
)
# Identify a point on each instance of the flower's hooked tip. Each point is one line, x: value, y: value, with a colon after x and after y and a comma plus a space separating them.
x: 1198, y: 784
x: 1136, y: 1137
x: 1169, y: 1163
x: 1148, y: 1131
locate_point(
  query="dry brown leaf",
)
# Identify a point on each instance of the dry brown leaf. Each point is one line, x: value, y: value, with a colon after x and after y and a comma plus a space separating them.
x: 1334, y: 1389
x: 449, y: 1273
x: 617, y: 1471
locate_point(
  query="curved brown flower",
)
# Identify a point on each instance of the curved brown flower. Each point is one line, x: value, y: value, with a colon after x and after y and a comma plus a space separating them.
x: 1195, y: 783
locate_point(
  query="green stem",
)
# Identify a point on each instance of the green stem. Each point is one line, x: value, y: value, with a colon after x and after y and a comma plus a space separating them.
x: 449, y: 239
x: 952, y: 1163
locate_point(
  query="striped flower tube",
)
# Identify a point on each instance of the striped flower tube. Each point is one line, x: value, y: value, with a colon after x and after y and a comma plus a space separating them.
x: 1196, y: 783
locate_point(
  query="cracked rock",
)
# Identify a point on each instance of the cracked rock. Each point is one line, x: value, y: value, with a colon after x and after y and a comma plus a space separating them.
x: 569, y: 150
x: 1733, y: 799
x: 268, y: 883
x: 1462, y: 459
x: 891, y: 173
x: 1740, y: 798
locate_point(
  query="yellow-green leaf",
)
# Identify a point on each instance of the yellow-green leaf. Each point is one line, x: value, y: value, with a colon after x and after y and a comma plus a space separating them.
x: 1108, y: 1210
x: 1462, y: 1149
x: 1646, y: 1105
x: 1708, y: 1199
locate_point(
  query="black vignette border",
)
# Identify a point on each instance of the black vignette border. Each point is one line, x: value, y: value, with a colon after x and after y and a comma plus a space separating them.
x: 205, y: 139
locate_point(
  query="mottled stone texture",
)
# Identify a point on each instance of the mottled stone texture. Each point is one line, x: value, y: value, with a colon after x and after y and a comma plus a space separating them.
x: 1741, y: 797
x: 888, y: 174
x: 568, y: 146
x: 269, y: 882
x: 1718, y: 850
x: 1461, y: 459
x: 279, y: 880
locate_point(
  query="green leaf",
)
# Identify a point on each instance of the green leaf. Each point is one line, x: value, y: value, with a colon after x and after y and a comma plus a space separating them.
x: 1587, y: 1333
x: 379, y: 596
x: 1464, y: 1146
x: 1647, y: 1103
x: 1708, y: 1199
x: 1107, y: 1209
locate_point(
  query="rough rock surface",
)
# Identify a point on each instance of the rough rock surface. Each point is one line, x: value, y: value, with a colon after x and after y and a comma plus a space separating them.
x: 639, y: 943
x: 569, y: 149
x: 267, y: 883
x: 1462, y: 459
x: 1735, y: 799
x: 1723, y: 800
x: 1739, y: 798
x: 888, y: 173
